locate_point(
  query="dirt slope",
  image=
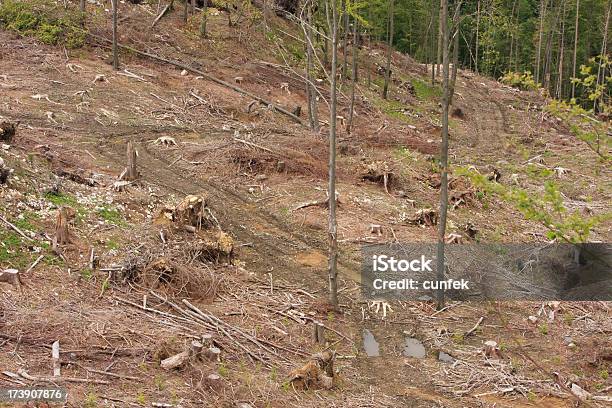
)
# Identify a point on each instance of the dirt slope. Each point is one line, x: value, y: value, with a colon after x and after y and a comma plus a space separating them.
x: 73, y: 133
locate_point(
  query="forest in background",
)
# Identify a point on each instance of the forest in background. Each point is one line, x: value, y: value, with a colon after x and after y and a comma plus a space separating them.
x: 550, y: 39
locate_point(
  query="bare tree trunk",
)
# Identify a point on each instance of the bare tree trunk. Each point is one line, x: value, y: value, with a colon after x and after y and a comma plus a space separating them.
x: 115, y: 4
x: 477, y: 36
x: 389, y: 50
x: 345, y: 20
x: 310, y: 90
x: 186, y: 11
x: 353, y: 76
x: 193, y: 6
x: 456, y: 22
x: 549, y: 45
x: 204, y: 21
x: 440, y: 269
x: 62, y: 235
x: 601, y: 69
x: 540, y: 35
x: 82, y: 6
x: 575, y: 47
x: 512, y: 33
x: 333, y: 233
x: 561, y: 55
x: 439, y: 49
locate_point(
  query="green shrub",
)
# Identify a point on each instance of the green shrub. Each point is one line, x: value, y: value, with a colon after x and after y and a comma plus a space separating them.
x: 522, y: 81
x: 44, y: 20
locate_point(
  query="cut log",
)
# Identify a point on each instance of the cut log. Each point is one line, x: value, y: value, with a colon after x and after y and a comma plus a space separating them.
x: 175, y: 361
x: 12, y: 276
x: 55, y: 358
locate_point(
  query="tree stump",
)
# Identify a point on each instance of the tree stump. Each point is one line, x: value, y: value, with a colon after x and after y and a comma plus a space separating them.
x: 318, y: 333
x: 12, y: 277
x: 131, y: 173
x: 212, y: 354
x: 62, y: 235
x: 8, y: 131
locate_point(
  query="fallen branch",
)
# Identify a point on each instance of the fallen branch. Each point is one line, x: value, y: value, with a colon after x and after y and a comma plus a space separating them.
x: 204, y: 75
x: 24, y: 374
x: 20, y: 232
x: 473, y: 329
x: 163, y: 13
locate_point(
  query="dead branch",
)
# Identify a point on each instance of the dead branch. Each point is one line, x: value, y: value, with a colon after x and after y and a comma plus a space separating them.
x: 204, y: 75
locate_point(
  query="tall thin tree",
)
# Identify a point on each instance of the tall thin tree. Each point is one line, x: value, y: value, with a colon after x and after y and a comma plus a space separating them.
x: 115, y: 5
x: 540, y: 36
x: 575, y: 47
x: 389, y: 48
x: 333, y: 226
x: 440, y: 262
x: 349, y: 125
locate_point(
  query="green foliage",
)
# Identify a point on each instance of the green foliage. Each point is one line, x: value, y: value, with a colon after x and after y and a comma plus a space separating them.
x: 522, y: 81
x: 111, y: 215
x: 425, y: 91
x: 546, y: 208
x: 44, y: 20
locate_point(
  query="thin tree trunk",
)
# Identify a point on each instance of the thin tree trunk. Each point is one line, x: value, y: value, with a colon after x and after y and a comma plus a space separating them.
x: 575, y: 48
x: 353, y: 76
x: 389, y: 50
x: 204, y: 21
x: 115, y: 4
x: 477, y: 36
x: 601, y: 69
x: 439, y: 50
x: 549, y: 43
x: 186, y: 11
x: 540, y: 35
x: 512, y: 34
x: 82, y: 6
x: 311, y: 92
x: 193, y: 6
x: 561, y: 52
x: 332, y: 231
x: 456, y: 22
x: 440, y: 268
x: 345, y: 17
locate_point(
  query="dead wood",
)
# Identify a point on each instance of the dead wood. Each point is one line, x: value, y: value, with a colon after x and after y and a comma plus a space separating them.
x: 380, y: 173
x: 29, y: 377
x: 12, y: 277
x: 318, y: 332
x: 426, y: 217
x: 130, y: 173
x: 191, y: 353
x: 317, y: 373
x: 163, y: 13
x: 15, y: 228
x: 62, y: 234
x: 55, y: 358
x: 204, y: 75
x: 8, y: 131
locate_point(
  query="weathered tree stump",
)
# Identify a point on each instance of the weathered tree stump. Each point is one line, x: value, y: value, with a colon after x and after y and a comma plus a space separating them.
x: 193, y: 352
x: 62, y: 235
x: 12, y: 277
x: 318, y: 333
x: 8, y: 131
x: 131, y: 173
